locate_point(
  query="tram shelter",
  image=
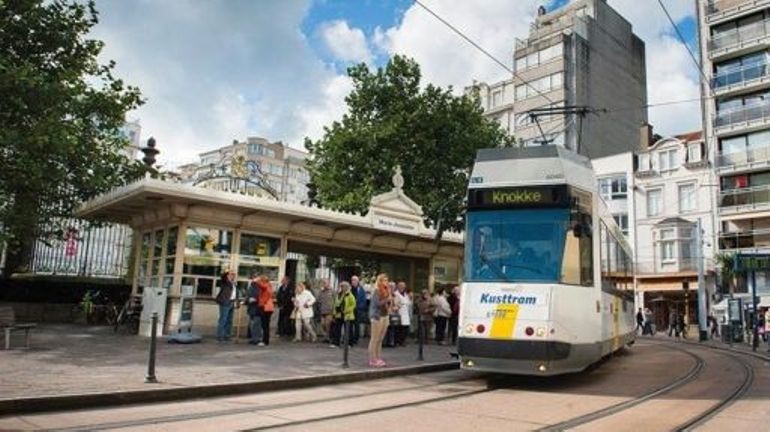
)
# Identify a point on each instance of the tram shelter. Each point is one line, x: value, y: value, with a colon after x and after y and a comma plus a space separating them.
x: 185, y: 236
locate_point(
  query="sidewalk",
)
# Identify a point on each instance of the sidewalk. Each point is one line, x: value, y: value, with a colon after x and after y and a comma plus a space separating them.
x: 75, y: 360
x: 762, y: 350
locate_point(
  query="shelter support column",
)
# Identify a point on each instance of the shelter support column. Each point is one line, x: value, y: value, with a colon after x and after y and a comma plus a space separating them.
x: 136, y: 252
x: 283, y: 253
x: 176, y: 285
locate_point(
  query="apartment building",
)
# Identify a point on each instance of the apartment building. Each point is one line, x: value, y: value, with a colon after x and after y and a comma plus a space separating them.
x: 255, y: 165
x: 672, y: 189
x: 497, y: 101
x: 586, y: 55
x: 735, y: 49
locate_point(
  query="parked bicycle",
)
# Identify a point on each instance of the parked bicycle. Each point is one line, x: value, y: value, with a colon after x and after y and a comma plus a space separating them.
x: 95, y: 308
x: 128, y: 317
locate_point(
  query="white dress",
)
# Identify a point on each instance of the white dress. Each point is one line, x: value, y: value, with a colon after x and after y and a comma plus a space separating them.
x: 404, y: 308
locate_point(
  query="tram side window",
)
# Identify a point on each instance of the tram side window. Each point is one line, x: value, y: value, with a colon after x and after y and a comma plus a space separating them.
x: 616, y: 269
x: 577, y: 265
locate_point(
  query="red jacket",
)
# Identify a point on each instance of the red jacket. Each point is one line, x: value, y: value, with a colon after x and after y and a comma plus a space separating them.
x: 265, y: 300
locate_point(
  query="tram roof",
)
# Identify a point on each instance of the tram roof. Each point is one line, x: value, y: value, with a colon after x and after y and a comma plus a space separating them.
x: 543, y: 165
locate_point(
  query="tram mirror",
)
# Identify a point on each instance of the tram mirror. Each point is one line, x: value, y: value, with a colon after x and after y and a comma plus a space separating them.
x: 578, y: 230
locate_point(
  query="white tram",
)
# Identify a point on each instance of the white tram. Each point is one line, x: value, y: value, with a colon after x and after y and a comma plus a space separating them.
x: 548, y: 278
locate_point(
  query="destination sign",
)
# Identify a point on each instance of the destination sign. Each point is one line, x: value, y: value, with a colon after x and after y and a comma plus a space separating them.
x: 519, y: 197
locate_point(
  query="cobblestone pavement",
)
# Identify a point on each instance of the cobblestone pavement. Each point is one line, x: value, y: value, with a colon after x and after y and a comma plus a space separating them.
x: 71, y: 359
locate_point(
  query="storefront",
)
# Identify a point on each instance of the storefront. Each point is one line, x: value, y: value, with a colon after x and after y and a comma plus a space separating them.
x: 186, y: 236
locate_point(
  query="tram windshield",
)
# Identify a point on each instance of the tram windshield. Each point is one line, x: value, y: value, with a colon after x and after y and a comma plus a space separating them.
x: 523, y: 245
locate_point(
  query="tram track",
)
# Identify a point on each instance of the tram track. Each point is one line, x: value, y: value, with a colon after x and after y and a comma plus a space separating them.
x: 691, y: 374
x: 693, y: 423
x: 740, y: 390
x: 253, y: 408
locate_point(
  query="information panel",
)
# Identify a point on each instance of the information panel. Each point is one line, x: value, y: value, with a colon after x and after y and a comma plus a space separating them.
x: 519, y: 197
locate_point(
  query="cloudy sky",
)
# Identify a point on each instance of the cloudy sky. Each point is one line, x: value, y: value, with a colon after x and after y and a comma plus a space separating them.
x: 217, y: 70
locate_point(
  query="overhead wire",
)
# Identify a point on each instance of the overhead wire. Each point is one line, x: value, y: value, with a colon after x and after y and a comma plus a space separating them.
x: 484, y: 51
x: 681, y: 38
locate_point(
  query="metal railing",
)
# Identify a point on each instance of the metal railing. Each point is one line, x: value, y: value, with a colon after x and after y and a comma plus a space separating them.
x: 673, y: 266
x: 740, y: 35
x: 744, y: 239
x: 745, y: 197
x: 717, y: 6
x: 741, y: 75
x: 743, y: 114
x: 761, y: 154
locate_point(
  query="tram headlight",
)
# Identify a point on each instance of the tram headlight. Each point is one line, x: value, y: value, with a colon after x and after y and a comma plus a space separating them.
x: 469, y: 329
x: 540, y: 332
x: 542, y: 368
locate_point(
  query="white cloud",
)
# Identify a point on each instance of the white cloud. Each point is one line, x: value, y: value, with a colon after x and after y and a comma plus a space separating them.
x: 345, y: 43
x: 446, y: 59
x: 671, y: 73
x: 216, y: 71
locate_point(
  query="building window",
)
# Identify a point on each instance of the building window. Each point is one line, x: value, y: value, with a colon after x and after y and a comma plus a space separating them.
x: 644, y: 162
x: 542, y: 85
x: 693, y: 152
x: 686, y: 198
x: 539, y: 57
x: 668, y: 160
x: 622, y: 221
x: 613, y: 188
x: 654, y: 202
x: 667, y: 244
x: 497, y: 98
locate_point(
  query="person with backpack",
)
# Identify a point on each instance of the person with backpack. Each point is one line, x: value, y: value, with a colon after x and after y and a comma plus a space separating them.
x: 344, y: 315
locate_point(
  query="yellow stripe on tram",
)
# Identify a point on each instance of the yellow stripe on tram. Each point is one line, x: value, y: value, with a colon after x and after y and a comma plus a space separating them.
x: 504, y: 321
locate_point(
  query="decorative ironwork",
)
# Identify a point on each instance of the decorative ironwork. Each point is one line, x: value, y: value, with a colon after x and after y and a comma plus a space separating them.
x: 238, y: 173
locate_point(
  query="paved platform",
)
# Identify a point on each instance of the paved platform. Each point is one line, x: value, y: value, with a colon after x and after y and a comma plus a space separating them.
x: 72, y: 359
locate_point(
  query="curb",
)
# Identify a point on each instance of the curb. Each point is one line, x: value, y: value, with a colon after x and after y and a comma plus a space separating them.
x: 99, y: 400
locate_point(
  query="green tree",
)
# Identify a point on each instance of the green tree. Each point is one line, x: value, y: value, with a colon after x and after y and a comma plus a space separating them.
x: 60, y: 117
x: 391, y: 120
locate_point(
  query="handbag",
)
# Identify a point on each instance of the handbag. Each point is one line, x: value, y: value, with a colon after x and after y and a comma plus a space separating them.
x: 395, y: 319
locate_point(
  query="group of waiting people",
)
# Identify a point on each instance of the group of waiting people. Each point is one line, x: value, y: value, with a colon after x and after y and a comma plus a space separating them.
x: 387, y: 310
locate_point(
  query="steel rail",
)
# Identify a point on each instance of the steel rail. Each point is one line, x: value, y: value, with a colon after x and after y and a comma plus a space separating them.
x: 622, y: 406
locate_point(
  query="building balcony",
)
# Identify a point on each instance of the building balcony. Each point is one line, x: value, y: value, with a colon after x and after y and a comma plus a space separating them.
x: 751, y: 160
x: 744, y: 200
x: 747, y: 77
x: 673, y: 268
x: 746, y: 117
x: 744, y: 39
x: 745, y: 239
x: 720, y: 10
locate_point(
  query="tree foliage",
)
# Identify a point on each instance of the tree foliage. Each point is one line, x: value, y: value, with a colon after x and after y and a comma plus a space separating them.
x: 61, y: 114
x: 393, y: 120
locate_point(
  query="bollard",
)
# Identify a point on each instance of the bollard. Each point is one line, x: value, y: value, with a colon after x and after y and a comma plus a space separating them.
x: 420, y: 337
x: 345, y: 344
x: 150, y: 378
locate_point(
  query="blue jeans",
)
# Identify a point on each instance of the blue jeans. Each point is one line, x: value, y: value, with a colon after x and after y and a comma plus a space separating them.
x: 255, y: 325
x: 225, y: 324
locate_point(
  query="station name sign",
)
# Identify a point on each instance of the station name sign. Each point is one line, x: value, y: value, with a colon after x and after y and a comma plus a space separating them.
x: 518, y: 197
